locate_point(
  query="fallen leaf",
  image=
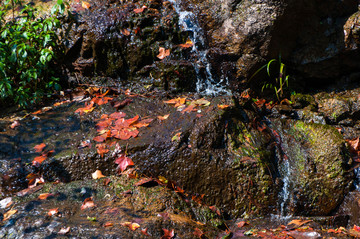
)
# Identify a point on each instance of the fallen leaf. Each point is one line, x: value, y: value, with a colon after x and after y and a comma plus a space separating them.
x: 198, y: 233
x: 298, y: 222
x: 132, y: 225
x: 117, y: 115
x: 176, y: 137
x: 39, y: 159
x: 6, y: 202
x: 164, y: 215
x: 242, y: 224
x: 215, y: 209
x: 164, y: 117
x: 356, y: 228
x: 88, y: 203
x: 99, y: 139
x: 163, y: 53
x: 198, y: 199
x: 15, y: 124
x: 108, y: 224
x: 85, y: 144
x: 123, y: 162
x: 119, y: 105
x: 45, y: 196
x: 146, y: 182
x: 222, y: 106
x: 101, y: 149
x: 91, y: 219
x: 64, y: 230
x: 8, y: 214
x: 53, y: 212
x: 201, y: 102
x: 177, y: 101
x: 354, y: 144
x: 87, y: 109
x: 168, y: 234
x: 125, y: 31
x: 144, y: 232
x: 97, y: 174
x: 38, y: 148
x: 187, y: 44
x: 189, y: 109
x: 140, y: 10
x: 85, y: 5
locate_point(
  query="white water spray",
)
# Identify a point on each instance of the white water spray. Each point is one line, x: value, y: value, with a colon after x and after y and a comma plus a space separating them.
x: 205, y: 84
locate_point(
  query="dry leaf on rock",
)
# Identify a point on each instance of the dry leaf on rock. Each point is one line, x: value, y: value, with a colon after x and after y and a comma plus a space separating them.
x: 97, y: 174
x: 88, y: 203
x: 163, y: 53
x: 9, y: 213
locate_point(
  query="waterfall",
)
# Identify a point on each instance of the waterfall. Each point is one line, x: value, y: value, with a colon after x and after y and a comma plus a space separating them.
x: 206, y: 84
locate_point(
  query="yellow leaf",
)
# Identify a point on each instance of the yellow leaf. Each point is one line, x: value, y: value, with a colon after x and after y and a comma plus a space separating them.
x: 85, y: 5
x: 163, y: 117
x: 9, y: 213
x: 97, y: 174
x: 176, y: 137
x: 223, y: 106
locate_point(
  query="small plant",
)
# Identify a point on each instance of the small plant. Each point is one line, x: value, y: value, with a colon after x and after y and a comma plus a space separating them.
x: 281, y: 80
x: 28, y: 46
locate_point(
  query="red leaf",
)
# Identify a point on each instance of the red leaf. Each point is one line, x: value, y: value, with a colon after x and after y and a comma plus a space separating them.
x: 39, y: 159
x: 53, y: 212
x: 99, y: 139
x: 132, y: 120
x: 242, y: 224
x: 123, y: 162
x: 144, y: 231
x: 215, y: 209
x: 88, y: 203
x: 119, y: 105
x: 117, y: 115
x: 198, y: 233
x: 146, y: 182
x: 356, y: 228
x: 108, y: 224
x: 38, y: 148
x: 168, y: 234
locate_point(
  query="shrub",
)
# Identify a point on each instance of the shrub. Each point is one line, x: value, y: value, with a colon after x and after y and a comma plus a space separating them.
x: 28, y: 46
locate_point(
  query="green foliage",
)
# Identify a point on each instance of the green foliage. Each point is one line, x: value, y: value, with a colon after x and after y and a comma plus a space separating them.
x: 278, y: 83
x: 28, y: 47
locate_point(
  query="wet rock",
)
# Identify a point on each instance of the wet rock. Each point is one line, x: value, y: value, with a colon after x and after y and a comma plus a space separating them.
x: 260, y: 30
x: 313, y: 156
x: 145, y: 207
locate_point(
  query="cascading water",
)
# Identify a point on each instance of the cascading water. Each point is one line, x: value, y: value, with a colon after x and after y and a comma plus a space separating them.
x: 207, y: 83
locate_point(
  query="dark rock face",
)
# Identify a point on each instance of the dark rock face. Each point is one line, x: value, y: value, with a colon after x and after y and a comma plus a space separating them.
x: 309, y: 35
x: 113, y: 39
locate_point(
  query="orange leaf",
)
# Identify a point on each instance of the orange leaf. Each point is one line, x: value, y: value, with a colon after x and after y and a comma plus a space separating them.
x: 132, y: 120
x: 99, y: 139
x: 125, y: 32
x: 88, y: 203
x: 39, y: 159
x: 198, y: 233
x: 222, y: 106
x: 53, y: 212
x: 142, y: 123
x: 8, y: 214
x: 140, y: 10
x: 132, y: 225
x: 176, y: 137
x: 356, y: 228
x: 88, y: 108
x: 123, y: 162
x: 187, y: 44
x: 163, y: 53
x: 85, y: 5
x: 44, y: 196
x: 242, y: 224
x: 189, y: 109
x: 101, y: 149
x: 97, y: 174
x: 15, y: 124
x: 298, y: 222
x: 178, y: 101
x: 163, y: 117
x: 108, y: 224
x: 38, y: 148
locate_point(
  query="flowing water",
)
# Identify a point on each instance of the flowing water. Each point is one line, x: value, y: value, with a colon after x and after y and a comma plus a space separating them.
x: 207, y: 83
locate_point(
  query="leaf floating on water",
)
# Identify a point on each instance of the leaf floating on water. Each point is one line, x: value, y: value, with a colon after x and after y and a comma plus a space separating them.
x: 144, y: 232
x: 88, y: 203
x: 9, y: 213
x: 163, y: 53
x: 187, y: 44
x: 97, y: 174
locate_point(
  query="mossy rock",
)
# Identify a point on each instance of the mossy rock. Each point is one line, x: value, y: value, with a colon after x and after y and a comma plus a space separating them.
x: 318, y: 161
